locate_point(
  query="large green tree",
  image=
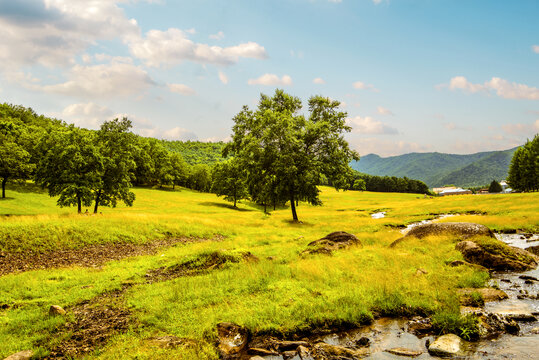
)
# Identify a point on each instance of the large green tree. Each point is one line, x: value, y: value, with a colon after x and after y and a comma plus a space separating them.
x: 14, y: 159
x: 280, y: 147
x: 116, y: 146
x: 71, y: 166
x: 524, y: 167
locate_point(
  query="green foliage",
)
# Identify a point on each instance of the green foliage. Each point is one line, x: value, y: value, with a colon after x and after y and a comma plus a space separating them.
x: 359, y: 184
x: 449, y: 322
x: 200, y: 178
x: 524, y: 168
x: 196, y: 152
x: 495, y: 187
x: 228, y: 179
x: 437, y: 169
x: 14, y: 159
x: 285, y: 154
x: 388, y: 184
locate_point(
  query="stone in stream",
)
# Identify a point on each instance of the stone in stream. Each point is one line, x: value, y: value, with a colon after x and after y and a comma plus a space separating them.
x: 446, y: 345
x: 487, y: 294
x: 533, y: 249
x: 404, y: 352
x: 232, y: 339
x: 303, y: 352
x: 335, y: 241
x: 21, y: 355
x: 322, y: 351
x: 256, y: 357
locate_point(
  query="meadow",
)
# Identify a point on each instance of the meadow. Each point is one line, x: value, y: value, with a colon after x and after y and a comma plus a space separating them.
x: 283, y: 292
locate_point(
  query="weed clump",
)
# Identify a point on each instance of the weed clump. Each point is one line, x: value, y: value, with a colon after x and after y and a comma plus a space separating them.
x: 465, y: 326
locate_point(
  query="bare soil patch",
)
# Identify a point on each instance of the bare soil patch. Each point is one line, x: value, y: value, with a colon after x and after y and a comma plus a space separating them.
x: 88, y: 256
x: 202, y: 264
x: 93, y: 323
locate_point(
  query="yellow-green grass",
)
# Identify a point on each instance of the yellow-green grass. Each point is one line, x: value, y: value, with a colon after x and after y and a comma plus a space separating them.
x: 283, y: 294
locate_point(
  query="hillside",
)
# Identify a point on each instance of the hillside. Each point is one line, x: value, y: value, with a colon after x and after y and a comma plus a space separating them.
x: 438, y: 169
x: 196, y: 152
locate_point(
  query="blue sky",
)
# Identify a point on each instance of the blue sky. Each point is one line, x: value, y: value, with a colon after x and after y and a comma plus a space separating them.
x: 413, y: 76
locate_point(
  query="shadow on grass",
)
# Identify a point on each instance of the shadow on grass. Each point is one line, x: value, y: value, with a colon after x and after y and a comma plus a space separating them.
x: 7, y: 198
x: 25, y: 188
x: 227, y: 206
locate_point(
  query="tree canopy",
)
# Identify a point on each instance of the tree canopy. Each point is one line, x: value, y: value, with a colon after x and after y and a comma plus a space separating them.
x: 495, y: 187
x: 524, y: 168
x: 285, y: 153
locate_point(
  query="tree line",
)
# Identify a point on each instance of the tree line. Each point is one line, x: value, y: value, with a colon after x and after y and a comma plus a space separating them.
x: 375, y: 183
x: 524, y: 167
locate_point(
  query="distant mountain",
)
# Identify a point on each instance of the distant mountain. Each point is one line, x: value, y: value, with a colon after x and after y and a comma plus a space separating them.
x: 438, y: 169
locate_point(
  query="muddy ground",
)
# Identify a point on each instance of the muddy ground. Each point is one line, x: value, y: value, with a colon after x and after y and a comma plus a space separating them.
x: 88, y: 256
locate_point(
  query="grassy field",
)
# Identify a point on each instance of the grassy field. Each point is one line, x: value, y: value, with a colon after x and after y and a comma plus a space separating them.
x: 282, y: 292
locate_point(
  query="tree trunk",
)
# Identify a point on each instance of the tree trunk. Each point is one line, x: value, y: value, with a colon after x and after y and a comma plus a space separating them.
x: 97, y: 198
x: 173, y: 185
x: 297, y: 202
x: 293, y: 207
x: 235, y: 201
x: 265, y: 208
x: 79, y: 204
x: 4, y: 181
x: 274, y: 203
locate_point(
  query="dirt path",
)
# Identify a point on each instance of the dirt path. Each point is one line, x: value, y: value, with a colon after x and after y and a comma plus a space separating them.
x: 89, y: 256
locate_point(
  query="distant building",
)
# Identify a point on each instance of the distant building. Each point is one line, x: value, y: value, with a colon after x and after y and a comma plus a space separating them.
x: 483, y: 191
x: 440, y: 189
x: 455, y: 191
x: 505, y: 187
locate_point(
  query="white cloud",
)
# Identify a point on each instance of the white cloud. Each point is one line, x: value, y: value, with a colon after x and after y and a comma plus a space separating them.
x: 385, y: 147
x: 181, y: 89
x: 367, y: 125
x: 223, y: 77
x: 335, y: 1
x: 522, y: 129
x: 501, y: 87
x: 52, y: 32
x: 176, y: 133
x: 535, y: 49
x: 384, y: 111
x: 119, y: 78
x: 219, y: 36
x: 319, y: 81
x: 362, y: 86
x: 376, y: 2
x: 172, y: 47
x: 271, y: 80
x: 89, y: 115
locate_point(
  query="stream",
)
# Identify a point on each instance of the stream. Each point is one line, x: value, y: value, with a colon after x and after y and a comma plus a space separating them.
x: 390, y: 333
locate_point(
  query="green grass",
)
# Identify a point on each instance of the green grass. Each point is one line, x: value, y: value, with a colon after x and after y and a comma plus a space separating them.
x: 282, y: 293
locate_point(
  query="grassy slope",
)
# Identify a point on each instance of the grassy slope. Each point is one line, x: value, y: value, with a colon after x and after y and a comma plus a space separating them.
x: 283, y: 294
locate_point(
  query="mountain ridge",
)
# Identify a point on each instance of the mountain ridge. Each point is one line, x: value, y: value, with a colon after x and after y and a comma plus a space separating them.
x: 438, y: 169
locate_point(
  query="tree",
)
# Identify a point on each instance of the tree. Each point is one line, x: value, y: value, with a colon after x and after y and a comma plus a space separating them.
x: 200, y: 178
x: 14, y: 159
x: 495, y: 187
x: 359, y: 184
x: 524, y: 167
x: 70, y: 167
x: 179, y: 170
x: 116, y: 147
x: 277, y: 145
x: 228, y: 180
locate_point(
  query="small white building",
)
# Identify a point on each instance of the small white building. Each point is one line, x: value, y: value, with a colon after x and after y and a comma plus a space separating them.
x: 457, y: 191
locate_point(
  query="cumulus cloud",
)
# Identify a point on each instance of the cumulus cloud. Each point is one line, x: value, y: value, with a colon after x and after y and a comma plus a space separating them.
x: 362, y: 86
x: 368, y: 125
x: 319, y: 81
x: 535, y: 49
x: 522, y: 129
x: 219, y: 36
x: 223, y: 77
x: 271, y: 80
x: 385, y: 147
x: 119, y: 78
x: 175, y: 133
x: 89, y: 115
x: 172, y: 46
x: 501, y: 87
x: 181, y: 89
x: 384, y: 111
x: 52, y: 32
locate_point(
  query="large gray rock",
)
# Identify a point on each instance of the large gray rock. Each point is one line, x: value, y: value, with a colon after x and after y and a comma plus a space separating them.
x: 474, y: 253
x: 446, y: 345
x: 335, y: 241
x: 461, y: 230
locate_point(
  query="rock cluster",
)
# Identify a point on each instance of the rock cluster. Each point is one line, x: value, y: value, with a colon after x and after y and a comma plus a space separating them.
x: 335, y: 241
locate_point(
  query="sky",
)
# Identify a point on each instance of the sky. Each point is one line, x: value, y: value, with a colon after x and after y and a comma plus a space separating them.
x: 413, y: 75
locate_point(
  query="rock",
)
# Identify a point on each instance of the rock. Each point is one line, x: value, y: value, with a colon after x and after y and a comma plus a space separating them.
x: 303, y: 352
x: 493, y: 324
x: 533, y: 249
x: 528, y: 277
x: 488, y: 294
x: 459, y: 229
x: 283, y: 345
x: 404, y: 352
x: 362, y: 342
x: 262, y: 352
x: 521, y: 316
x: 335, y: 241
x: 474, y: 253
x: 232, y: 339
x: 535, y: 330
x: 21, y: 355
x: 420, y: 272
x: 421, y: 326
x: 512, y: 327
x: 256, y: 357
x: 446, y: 345
x: 289, y: 354
x: 323, y: 351
x: 55, y: 310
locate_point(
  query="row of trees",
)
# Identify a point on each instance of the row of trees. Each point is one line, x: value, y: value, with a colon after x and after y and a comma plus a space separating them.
x: 387, y: 184
x: 524, y: 168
